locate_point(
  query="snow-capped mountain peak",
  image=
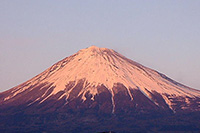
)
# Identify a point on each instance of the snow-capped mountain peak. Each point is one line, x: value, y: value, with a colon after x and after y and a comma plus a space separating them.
x: 94, y: 70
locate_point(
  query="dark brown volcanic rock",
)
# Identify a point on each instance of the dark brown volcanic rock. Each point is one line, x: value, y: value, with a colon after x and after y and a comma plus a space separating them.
x: 96, y: 90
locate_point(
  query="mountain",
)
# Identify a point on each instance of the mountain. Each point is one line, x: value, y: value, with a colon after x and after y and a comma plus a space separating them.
x: 99, y: 88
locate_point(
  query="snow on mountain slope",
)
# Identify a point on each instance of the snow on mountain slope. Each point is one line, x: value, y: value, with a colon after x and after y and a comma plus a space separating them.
x: 93, y: 67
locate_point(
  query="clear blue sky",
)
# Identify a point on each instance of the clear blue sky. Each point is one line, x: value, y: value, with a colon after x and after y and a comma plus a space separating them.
x: 163, y: 35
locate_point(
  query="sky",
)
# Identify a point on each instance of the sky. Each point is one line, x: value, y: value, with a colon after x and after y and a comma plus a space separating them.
x: 162, y: 35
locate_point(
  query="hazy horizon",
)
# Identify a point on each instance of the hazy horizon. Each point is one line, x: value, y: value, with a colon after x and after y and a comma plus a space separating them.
x: 162, y: 35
